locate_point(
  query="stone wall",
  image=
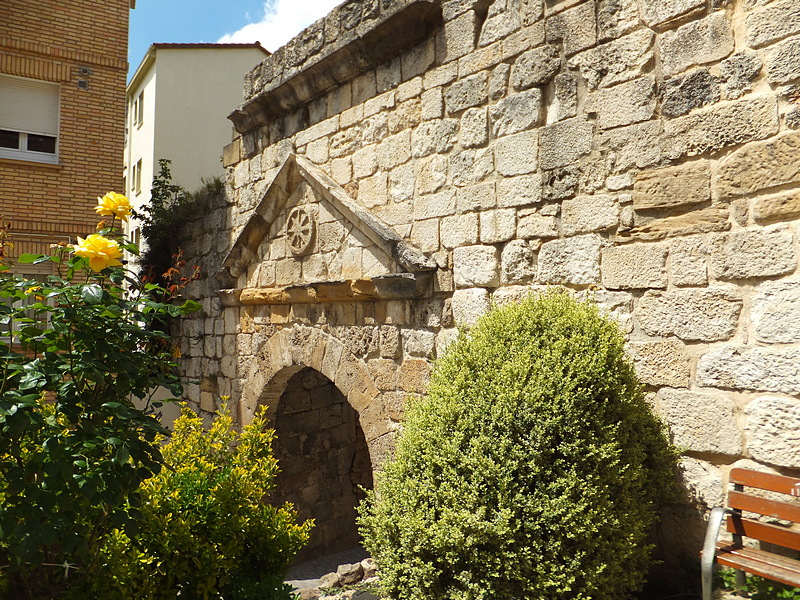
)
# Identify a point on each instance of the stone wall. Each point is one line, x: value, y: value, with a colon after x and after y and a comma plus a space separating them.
x: 457, y: 153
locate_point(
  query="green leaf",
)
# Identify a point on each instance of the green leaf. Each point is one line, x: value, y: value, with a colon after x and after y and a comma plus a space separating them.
x: 27, y: 258
x: 92, y: 293
x: 190, y: 306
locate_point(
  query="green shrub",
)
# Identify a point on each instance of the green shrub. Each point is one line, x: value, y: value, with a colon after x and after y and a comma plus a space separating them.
x: 205, y: 530
x: 532, y: 469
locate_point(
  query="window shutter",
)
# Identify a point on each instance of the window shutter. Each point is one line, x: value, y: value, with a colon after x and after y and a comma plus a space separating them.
x: 29, y: 105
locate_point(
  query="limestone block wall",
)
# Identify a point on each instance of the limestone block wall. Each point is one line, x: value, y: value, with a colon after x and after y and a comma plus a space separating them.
x: 645, y: 154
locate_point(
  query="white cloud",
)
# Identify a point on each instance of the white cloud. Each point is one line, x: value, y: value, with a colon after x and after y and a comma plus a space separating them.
x: 283, y: 19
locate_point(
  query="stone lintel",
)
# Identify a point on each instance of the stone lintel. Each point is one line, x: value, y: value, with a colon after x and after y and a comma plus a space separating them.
x: 401, y: 286
x: 393, y: 33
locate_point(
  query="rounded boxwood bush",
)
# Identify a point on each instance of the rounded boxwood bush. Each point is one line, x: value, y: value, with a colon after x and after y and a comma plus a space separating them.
x: 532, y: 469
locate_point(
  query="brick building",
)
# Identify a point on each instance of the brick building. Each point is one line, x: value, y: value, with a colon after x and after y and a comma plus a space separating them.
x: 62, y: 113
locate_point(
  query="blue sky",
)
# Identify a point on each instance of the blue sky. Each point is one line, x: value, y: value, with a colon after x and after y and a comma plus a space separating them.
x: 272, y: 22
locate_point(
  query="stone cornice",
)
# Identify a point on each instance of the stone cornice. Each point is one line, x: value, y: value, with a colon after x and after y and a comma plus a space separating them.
x: 398, y: 286
x: 277, y: 88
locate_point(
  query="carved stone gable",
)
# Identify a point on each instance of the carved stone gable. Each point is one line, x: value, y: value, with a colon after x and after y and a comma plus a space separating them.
x: 306, y: 231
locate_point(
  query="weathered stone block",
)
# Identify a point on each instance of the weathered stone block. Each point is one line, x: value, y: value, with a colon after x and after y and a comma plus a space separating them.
x: 702, y: 481
x: 691, y: 314
x: 565, y: 142
x: 457, y: 37
x: 517, y: 262
x: 517, y: 154
x: 418, y: 342
x: 535, y: 67
x: 783, y: 61
x: 565, y: 98
x: 760, y: 166
x: 618, y: 61
x: 623, y: 104
x: 471, y: 166
x: 772, y: 428
x: 577, y: 27
x: 779, y: 20
x: 775, y: 312
x: 739, y: 71
x: 476, y: 266
x: 469, y: 305
x: 394, y: 150
x: 533, y: 224
x: 498, y: 225
x: 750, y: 368
x: 722, y: 125
x: 459, y: 230
x: 659, y: 12
x: 661, y: 363
x: 685, y: 93
x: 498, y: 81
x: 517, y: 112
x: 686, y: 184
x: 639, y: 145
x: 432, y: 174
x: 442, y: 204
x: 437, y: 136
x: 414, y: 375
x: 701, y: 422
x: 688, y: 257
x: 615, y: 18
x: 635, y: 266
x: 476, y: 197
x: 519, y: 191
x: 703, y: 41
x: 432, y: 104
x: 474, y: 127
x: 466, y: 93
x: 574, y: 260
x: 585, y: 214
x: 752, y: 253
x: 781, y: 207
x: 401, y: 183
x: 373, y: 191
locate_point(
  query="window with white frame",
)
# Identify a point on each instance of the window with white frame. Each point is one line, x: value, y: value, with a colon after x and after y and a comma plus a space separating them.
x: 138, y: 109
x: 29, y: 115
x: 137, y: 177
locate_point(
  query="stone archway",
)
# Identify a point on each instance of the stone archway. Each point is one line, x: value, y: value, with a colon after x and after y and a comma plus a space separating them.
x: 332, y: 429
x: 324, y: 460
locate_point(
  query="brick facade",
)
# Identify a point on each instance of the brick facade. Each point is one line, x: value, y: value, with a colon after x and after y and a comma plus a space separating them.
x: 66, y: 43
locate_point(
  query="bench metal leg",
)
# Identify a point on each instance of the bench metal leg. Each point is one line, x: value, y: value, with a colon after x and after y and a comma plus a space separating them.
x: 709, y: 550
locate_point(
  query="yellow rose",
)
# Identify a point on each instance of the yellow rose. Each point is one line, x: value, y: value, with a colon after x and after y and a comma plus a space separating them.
x: 113, y: 205
x: 101, y: 252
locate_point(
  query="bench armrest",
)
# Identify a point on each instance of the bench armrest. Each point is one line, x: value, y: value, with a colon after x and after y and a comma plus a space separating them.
x: 709, y: 549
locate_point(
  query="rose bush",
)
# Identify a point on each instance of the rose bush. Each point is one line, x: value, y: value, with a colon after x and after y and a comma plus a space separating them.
x: 81, y: 355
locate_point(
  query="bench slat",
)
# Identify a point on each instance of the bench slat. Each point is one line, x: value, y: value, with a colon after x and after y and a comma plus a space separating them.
x: 766, y: 481
x: 762, y: 506
x: 773, y: 534
x: 760, y: 563
x: 760, y: 555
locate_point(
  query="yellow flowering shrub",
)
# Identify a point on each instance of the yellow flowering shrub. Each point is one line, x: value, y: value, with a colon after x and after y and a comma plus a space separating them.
x: 113, y: 205
x: 101, y: 251
x: 205, y: 530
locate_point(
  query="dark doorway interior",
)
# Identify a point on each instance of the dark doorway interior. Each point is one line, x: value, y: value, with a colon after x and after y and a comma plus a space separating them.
x: 323, y: 457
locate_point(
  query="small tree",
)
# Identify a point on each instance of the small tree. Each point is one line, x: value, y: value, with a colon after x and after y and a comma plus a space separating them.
x: 76, y: 350
x: 532, y: 469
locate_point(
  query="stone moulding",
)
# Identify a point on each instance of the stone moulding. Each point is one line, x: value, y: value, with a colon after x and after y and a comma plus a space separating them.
x: 403, y: 26
x: 294, y: 169
x: 399, y: 286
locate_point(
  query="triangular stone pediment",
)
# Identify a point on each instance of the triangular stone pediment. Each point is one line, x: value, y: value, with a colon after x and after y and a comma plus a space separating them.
x: 307, y: 230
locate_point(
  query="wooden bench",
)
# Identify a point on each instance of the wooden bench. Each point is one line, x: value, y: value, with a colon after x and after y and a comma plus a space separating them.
x: 734, y: 553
